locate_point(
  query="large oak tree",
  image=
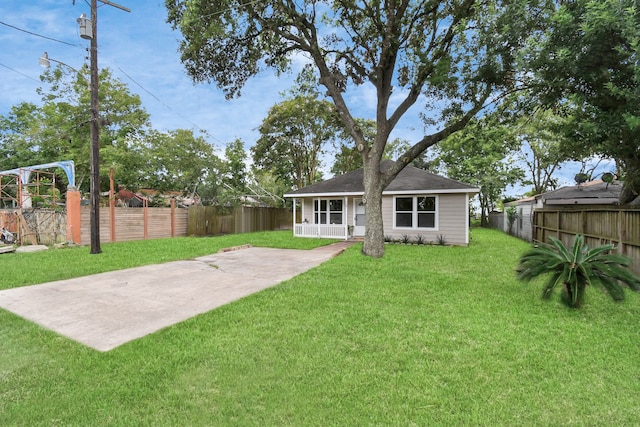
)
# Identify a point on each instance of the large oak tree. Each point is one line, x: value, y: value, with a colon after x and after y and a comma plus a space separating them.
x: 451, y: 56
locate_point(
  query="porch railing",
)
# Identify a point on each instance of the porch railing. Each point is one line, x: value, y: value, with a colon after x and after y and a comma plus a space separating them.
x: 321, y: 230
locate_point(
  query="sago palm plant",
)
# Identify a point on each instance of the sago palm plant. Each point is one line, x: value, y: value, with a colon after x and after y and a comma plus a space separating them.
x: 576, y: 268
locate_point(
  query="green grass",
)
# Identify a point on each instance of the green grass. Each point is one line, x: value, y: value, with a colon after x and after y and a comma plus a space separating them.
x: 19, y: 269
x: 427, y: 335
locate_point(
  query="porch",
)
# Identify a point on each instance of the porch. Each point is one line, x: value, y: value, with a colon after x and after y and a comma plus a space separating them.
x: 329, y: 217
x: 326, y: 231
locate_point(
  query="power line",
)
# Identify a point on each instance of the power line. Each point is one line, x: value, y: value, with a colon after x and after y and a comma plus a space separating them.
x: 122, y: 71
x: 22, y: 74
x: 139, y: 85
x: 38, y: 35
x: 161, y: 102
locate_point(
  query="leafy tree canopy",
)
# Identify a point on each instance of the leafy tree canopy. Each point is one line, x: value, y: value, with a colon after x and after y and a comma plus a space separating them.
x: 482, y: 155
x: 296, y: 133
x: 452, y: 56
x: 141, y: 157
x: 19, y: 136
x: 232, y: 174
x: 587, y: 63
x: 164, y: 161
x: 543, y: 149
x: 62, y: 131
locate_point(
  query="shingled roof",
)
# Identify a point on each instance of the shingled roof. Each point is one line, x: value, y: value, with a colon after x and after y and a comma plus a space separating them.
x: 591, y: 193
x: 409, y: 180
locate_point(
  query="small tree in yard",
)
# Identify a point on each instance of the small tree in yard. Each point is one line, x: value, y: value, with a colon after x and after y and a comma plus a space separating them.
x: 482, y: 155
x: 512, y: 216
x: 454, y: 56
x: 576, y: 268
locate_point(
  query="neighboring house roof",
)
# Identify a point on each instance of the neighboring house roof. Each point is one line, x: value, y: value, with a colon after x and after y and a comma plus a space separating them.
x: 252, y: 201
x: 523, y: 201
x: 154, y: 192
x: 137, y: 199
x: 590, y: 193
x: 410, y: 180
x: 125, y: 194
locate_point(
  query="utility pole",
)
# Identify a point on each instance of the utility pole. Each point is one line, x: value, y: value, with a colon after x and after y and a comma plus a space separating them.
x: 94, y: 192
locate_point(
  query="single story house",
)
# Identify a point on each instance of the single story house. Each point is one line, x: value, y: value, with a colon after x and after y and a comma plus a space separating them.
x: 416, y: 203
x: 590, y: 194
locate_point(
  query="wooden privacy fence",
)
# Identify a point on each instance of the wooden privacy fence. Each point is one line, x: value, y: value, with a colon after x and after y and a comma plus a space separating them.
x: 212, y: 220
x: 135, y: 223
x: 496, y: 220
x: 599, y: 226
x: 123, y: 224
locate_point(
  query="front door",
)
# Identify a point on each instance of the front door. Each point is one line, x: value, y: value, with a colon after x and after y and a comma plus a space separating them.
x: 360, y: 218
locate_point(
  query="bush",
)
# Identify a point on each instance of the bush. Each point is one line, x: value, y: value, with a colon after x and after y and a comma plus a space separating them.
x: 512, y: 216
x: 576, y: 268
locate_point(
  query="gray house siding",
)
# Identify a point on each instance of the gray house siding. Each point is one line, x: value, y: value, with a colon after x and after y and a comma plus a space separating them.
x: 523, y: 225
x: 451, y: 220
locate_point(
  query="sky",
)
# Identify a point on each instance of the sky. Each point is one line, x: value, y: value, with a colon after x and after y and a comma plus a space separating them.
x: 141, y: 49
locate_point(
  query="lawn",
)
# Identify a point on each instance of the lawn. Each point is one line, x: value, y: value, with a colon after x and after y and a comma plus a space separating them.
x: 427, y: 335
x: 40, y: 267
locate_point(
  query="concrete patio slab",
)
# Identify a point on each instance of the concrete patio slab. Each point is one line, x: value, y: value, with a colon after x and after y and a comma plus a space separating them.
x: 104, y: 311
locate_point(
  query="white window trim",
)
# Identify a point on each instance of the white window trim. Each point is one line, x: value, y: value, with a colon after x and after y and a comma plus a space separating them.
x: 414, y: 212
x: 328, y: 211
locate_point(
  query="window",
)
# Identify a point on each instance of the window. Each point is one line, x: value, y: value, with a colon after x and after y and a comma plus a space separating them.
x: 415, y: 212
x: 426, y: 212
x: 404, y: 212
x: 327, y: 210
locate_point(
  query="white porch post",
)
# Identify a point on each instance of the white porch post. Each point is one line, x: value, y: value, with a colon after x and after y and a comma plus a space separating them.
x: 346, y: 218
x: 467, y: 218
x: 294, y: 216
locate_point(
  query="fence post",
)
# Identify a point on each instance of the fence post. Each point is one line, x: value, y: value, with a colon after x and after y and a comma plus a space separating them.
x: 73, y: 215
x: 538, y: 222
x: 146, y: 218
x: 173, y: 217
x: 622, y: 231
x: 112, y: 207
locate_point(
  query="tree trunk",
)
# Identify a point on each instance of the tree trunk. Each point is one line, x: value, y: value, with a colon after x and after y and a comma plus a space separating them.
x: 631, y: 187
x: 569, y: 291
x: 374, y: 232
x: 484, y: 211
